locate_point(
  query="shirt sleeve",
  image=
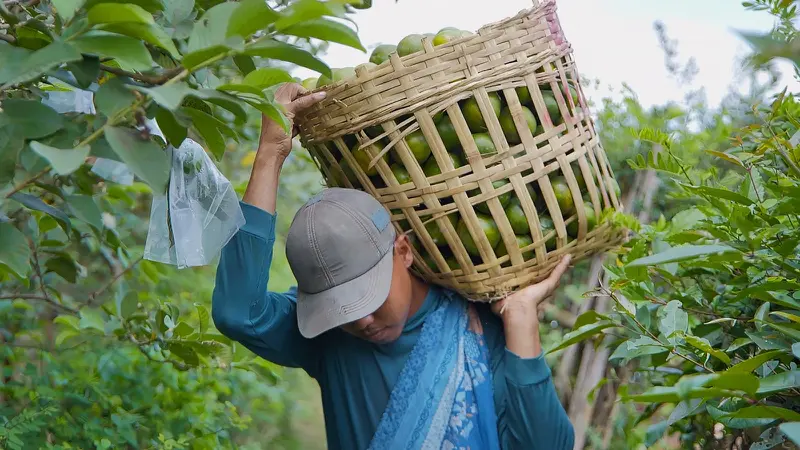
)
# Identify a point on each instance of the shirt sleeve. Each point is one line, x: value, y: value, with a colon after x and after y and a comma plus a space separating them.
x: 533, y: 417
x: 243, y: 308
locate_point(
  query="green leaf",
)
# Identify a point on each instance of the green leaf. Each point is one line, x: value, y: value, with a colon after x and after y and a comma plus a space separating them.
x: 326, y: 30
x: 91, y: 318
x: 581, y: 334
x: 788, y: 331
x: 63, y: 335
x: 274, y: 113
x: 680, y: 253
x: 113, y: 97
x: 704, y: 346
x: 183, y: 329
x: 673, y: 319
x: 86, y: 71
x: 792, y: 431
x: 119, y: 13
x: 779, y: 382
x: 272, y: 49
x: 85, y: 208
x: 63, y: 266
x: 198, y: 57
x: 32, y: 119
x: 184, y: 352
x: 304, y: 10
x: 207, y: 127
x: 176, y: 11
x: 726, y: 156
x: 11, y: 144
x: 129, y: 304
x: 211, y: 29
x: 67, y: 321
x: 642, y: 346
x: 250, y: 16
x: 67, y: 8
x: 35, y: 64
x: 202, y: 317
x: 173, y: 131
x: 169, y: 96
x: 765, y: 412
x: 242, y: 88
x: 64, y: 162
x: 266, y: 77
x: 37, y: 204
x: 227, y: 101
x: 794, y: 318
x: 725, y: 194
x: 737, y: 381
x: 751, y: 364
x: 151, y: 33
x: 130, y: 53
x: 796, y: 350
x: 244, y: 63
x: 656, y: 394
x: 761, y: 315
x: 588, y: 317
x: 14, y: 251
x: 724, y: 418
x: 143, y: 157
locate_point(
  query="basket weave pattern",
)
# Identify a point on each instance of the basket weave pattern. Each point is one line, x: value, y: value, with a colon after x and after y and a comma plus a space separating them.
x: 378, y: 109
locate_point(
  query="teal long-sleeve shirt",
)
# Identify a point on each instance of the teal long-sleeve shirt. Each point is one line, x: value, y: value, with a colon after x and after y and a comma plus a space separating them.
x: 356, y: 377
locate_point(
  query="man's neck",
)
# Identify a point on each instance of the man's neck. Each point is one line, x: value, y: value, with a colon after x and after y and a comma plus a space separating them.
x: 419, y: 290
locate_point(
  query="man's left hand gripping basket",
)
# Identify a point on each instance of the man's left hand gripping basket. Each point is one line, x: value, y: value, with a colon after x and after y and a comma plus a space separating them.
x: 483, y: 149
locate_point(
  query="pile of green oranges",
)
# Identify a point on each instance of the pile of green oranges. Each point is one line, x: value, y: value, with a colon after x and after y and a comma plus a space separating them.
x: 421, y: 151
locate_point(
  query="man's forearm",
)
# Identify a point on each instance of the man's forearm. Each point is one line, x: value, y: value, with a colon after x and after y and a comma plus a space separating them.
x: 262, y: 189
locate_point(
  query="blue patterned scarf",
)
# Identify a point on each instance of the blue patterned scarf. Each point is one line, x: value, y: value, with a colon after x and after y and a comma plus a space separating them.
x: 443, y: 398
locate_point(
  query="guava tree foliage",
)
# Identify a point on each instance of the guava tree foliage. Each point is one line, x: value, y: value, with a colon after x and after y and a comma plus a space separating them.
x: 708, y: 303
x: 99, y: 348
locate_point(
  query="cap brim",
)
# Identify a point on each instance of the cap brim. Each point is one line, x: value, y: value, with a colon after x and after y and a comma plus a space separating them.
x: 345, y: 303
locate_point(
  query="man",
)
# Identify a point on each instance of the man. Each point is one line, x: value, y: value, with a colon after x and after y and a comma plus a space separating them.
x: 400, y: 363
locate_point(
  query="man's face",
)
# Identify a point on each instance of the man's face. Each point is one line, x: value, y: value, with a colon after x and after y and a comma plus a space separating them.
x: 386, y: 323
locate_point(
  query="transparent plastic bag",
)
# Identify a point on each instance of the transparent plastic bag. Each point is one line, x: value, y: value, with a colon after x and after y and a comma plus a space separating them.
x: 71, y: 101
x: 198, y: 214
x: 111, y: 170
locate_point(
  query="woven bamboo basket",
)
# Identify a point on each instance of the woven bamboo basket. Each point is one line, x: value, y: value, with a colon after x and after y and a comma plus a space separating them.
x: 366, y: 130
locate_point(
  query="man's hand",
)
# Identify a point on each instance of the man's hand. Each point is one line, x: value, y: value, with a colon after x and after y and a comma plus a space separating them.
x: 519, y: 312
x: 274, y: 142
x: 274, y: 146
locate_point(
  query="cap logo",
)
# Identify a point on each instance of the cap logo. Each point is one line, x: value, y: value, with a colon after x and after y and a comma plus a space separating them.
x: 380, y: 218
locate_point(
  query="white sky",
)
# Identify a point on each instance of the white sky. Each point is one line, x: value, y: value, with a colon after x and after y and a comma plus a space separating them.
x: 613, y: 40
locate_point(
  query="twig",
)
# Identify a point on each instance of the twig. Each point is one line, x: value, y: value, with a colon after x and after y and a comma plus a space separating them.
x: 37, y: 298
x: 30, y: 180
x: 150, y: 79
x: 113, y: 280
x: 179, y: 365
x: 37, y: 268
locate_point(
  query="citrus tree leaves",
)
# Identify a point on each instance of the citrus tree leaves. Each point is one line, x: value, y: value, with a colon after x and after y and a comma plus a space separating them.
x: 169, y: 96
x: 266, y: 77
x: 11, y: 144
x: 105, y: 13
x: 24, y: 66
x: 37, y: 204
x: 327, y: 30
x: 85, y: 208
x: 144, y: 157
x: 680, y: 253
x: 212, y: 28
x: 64, y: 161
x: 14, y: 250
x: 250, y: 16
x: 129, y: 52
x: 31, y: 119
x: 67, y: 8
x: 272, y: 49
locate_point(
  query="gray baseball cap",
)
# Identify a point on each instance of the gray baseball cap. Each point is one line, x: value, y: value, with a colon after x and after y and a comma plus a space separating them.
x: 340, y: 248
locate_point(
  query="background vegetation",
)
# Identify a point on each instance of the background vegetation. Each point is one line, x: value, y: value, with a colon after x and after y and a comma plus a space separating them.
x: 693, y: 326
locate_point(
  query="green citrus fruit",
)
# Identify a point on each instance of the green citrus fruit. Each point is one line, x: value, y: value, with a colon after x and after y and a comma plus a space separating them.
x: 382, y: 53
x: 472, y: 112
x: 516, y: 216
x: 451, y: 261
x: 489, y: 229
x: 546, y: 225
x: 504, y: 198
x: 523, y: 241
x: 552, y: 106
x: 431, y: 167
x: 437, y: 236
x: 310, y: 83
x: 524, y: 96
x: 323, y: 80
x: 574, y: 92
x: 361, y: 4
x: 446, y: 35
x: 401, y: 174
x: 418, y: 146
x: 563, y: 196
x: 510, y: 128
x: 410, y: 44
x: 591, y: 221
x: 364, y: 159
x: 484, y: 143
x: 373, y: 131
x: 343, y: 74
x: 367, y: 65
x: 447, y: 131
x: 348, y: 171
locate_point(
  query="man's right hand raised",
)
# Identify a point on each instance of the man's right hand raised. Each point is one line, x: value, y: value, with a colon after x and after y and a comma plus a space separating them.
x: 274, y: 145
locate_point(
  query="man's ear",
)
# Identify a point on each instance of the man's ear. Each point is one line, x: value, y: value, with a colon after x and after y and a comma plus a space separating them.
x: 402, y: 247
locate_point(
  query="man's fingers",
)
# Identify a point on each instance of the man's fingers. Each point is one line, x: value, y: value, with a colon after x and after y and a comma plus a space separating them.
x: 558, y: 271
x: 305, y: 102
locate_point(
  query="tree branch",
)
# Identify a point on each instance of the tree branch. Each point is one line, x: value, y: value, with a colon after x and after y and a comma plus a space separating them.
x: 93, y: 296
x: 37, y: 298
x: 149, y: 79
x: 27, y: 182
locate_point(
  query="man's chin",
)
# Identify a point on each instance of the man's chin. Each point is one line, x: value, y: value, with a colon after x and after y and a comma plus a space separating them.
x: 384, y: 336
